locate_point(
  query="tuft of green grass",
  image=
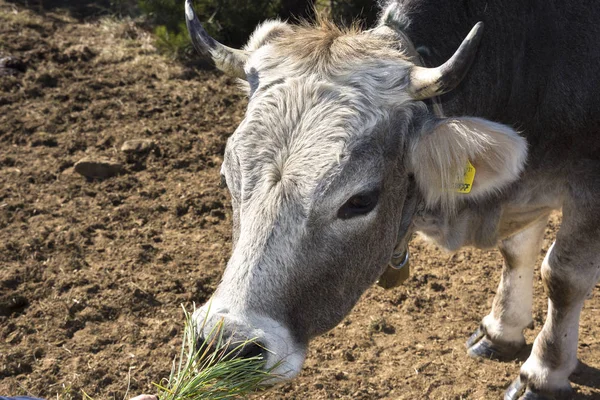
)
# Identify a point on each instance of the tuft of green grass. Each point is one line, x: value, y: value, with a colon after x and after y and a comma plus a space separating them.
x: 210, y: 372
x: 173, y: 43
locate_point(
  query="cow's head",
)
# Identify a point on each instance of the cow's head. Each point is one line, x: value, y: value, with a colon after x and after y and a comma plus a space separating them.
x: 335, y: 148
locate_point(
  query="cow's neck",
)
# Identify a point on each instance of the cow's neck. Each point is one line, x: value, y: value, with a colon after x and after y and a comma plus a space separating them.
x: 478, y: 225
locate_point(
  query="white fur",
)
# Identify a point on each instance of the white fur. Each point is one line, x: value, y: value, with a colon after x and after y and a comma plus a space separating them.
x: 439, y: 158
x: 512, y: 307
x: 265, y: 32
x: 538, y: 371
x: 546, y: 378
x: 563, y: 334
x: 395, y: 15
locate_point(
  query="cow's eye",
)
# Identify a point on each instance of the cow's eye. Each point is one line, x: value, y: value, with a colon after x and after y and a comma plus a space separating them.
x: 359, y: 204
x: 223, y: 184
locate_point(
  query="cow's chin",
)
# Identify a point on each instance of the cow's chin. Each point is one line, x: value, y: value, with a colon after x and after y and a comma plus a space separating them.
x: 284, y: 356
x: 285, y: 369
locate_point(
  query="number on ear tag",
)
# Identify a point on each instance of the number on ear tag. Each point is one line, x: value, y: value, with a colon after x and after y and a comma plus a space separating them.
x: 467, y: 183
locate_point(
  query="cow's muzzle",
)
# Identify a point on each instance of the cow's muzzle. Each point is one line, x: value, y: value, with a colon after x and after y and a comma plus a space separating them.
x: 247, y: 334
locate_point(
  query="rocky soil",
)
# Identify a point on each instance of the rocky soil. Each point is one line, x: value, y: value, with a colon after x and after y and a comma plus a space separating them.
x: 111, y: 217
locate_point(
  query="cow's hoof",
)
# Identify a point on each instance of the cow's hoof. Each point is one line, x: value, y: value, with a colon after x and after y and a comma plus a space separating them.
x: 479, y: 345
x: 519, y: 390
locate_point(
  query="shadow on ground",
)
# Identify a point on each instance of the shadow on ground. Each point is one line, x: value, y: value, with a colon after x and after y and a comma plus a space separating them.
x: 585, y: 375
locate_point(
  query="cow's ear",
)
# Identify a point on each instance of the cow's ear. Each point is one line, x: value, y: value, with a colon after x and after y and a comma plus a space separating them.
x: 446, y: 148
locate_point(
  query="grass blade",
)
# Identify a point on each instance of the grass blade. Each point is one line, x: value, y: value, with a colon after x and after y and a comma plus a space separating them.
x: 208, y: 373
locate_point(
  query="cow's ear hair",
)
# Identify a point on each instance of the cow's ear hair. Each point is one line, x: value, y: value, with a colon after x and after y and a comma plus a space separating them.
x: 442, y: 151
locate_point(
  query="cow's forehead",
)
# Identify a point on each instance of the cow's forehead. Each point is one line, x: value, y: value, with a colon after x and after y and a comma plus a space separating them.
x: 300, y: 131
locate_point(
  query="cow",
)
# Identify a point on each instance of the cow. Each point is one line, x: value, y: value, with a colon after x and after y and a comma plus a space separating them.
x: 355, y: 139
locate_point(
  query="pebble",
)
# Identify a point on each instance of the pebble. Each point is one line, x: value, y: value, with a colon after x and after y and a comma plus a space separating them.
x: 11, y: 66
x: 138, y: 146
x: 13, y: 337
x: 348, y: 356
x: 99, y: 168
x: 341, y: 376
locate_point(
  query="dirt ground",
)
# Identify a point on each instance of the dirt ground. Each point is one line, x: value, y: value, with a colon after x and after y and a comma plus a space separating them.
x: 93, y: 272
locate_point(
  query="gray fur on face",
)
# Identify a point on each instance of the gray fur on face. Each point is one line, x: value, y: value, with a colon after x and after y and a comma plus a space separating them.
x: 290, y: 166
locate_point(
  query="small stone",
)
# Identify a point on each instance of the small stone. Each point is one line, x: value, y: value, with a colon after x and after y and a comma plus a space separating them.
x: 47, y: 80
x: 98, y: 168
x: 11, y: 66
x: 348, y: 356
x: 341, y: 376
x: 138, y: 146
x: 13, y: 337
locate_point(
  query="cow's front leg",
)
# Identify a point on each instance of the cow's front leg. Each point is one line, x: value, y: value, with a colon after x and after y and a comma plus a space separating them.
x: 569, y: 277
x: 500, y: 334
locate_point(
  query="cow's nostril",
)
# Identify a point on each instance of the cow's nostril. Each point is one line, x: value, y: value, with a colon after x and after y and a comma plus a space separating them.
x: 250, y: 350
x: 231, y: 349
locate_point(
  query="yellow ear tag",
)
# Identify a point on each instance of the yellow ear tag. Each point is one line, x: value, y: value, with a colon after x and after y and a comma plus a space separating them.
x: 467, y: 183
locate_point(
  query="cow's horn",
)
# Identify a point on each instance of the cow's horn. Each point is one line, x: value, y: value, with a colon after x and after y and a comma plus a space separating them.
x: 430, y: 82
x: 231, y: 61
